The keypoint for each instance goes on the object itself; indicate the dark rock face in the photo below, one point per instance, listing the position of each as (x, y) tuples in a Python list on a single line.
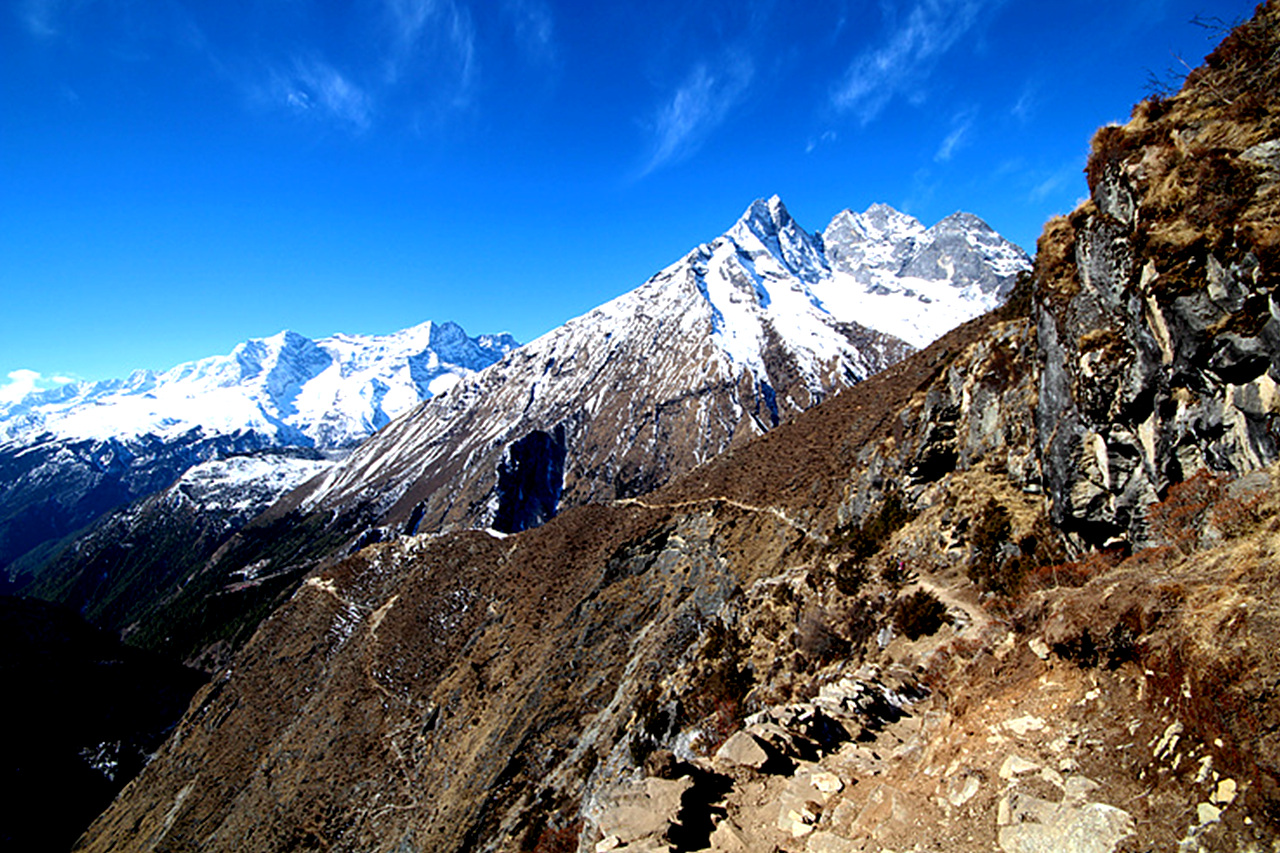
[(81, 715), (1160, 344), (530, 479)]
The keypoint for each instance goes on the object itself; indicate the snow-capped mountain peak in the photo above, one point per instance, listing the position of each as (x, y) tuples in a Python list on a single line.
[(879, 239), (766, 229), (288, 388), (963, 234), (913, 282)]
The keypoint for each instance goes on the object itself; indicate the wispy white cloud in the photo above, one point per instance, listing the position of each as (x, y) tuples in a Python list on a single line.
[(961, 124), (924, 186), (41, 17), (436, 34), (406, 59), (899, 66), (314, 87), (534, 26), (1024, 108), (23, 382), (827, 136), (699, 104)]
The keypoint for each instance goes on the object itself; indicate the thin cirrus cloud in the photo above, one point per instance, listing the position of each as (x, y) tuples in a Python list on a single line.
[(314, 87), (961, 126), (898, 66), (426, 38), (1025, 107), (40, 17), (1054, 183), (534, 28), (699, 104), (417, 53), (431, 42)]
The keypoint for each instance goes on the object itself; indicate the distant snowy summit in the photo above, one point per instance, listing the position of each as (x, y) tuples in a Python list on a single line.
[(887, 271), (288, 389)]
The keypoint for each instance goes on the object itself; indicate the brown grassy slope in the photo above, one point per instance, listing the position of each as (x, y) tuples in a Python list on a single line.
[(804, 465), (355, 679), (1201, 625)]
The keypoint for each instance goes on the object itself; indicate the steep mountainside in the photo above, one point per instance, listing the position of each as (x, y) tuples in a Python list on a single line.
[(69, 455), (737, 336), (881, 626), (718, 347)]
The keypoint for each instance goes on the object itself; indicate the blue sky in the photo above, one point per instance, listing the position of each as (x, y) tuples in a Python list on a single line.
[(177, 176)]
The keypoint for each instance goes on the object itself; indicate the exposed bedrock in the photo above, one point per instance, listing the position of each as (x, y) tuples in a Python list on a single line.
[(530, 479), (1155, 365)]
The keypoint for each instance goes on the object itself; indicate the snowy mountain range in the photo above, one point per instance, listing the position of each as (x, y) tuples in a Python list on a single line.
[(740, 334), (737, 336), (292, 390), (71, 454)]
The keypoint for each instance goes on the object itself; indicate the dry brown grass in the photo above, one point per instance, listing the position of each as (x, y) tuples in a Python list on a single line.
[(1055, 264)]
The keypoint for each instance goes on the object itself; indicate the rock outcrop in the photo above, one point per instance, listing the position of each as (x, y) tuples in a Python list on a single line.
[(1159, 332)]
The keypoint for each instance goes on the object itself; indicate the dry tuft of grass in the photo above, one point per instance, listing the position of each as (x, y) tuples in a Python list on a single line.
[(1055, 264)]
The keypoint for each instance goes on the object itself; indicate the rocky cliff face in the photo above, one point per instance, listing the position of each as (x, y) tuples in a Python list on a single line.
[(764, 655), (1159, 331), (883, 625)]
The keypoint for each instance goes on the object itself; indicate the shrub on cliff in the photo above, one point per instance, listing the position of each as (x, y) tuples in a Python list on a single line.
[(920, 614)]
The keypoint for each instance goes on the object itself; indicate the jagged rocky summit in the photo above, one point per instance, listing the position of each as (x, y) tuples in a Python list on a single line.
[(737, 336), (1016, 592)]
